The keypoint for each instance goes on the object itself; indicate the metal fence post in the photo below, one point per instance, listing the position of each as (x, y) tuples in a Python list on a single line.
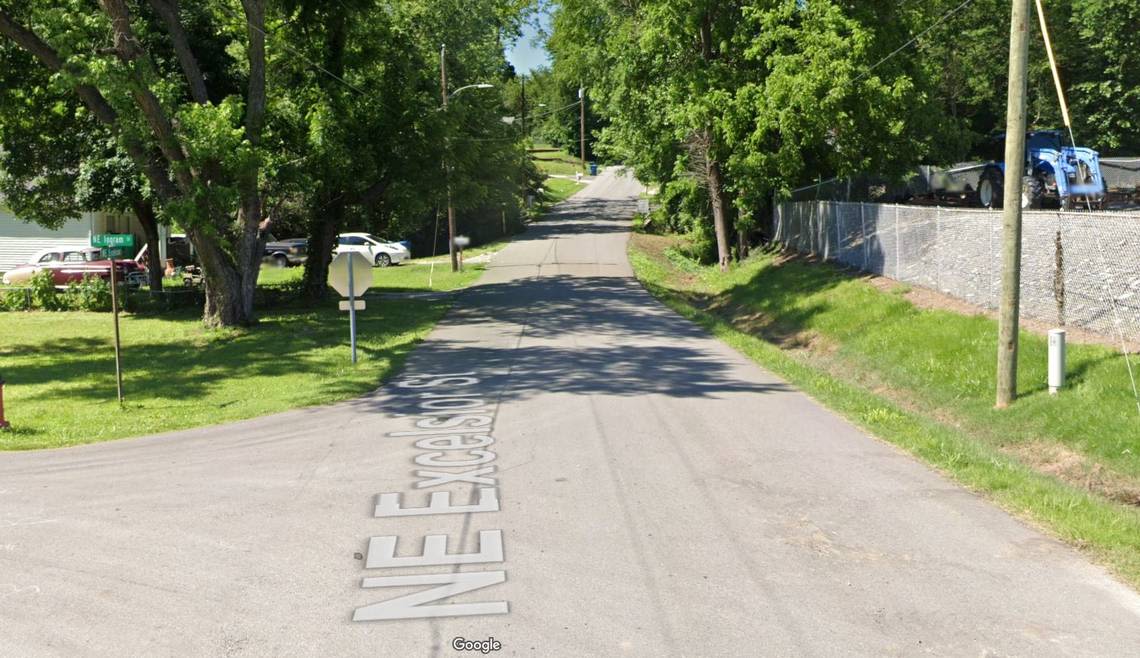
[(863, 234), (898, 247), (938, 248), (838, 238)]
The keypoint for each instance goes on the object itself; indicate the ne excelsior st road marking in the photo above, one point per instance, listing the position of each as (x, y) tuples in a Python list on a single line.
[(452, 424)]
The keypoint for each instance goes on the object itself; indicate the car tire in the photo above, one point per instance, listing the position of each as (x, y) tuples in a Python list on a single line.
[(990, 189), (279, 260), (383, 260), (1032, 193)]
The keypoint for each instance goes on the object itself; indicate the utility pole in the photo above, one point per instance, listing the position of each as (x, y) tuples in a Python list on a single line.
[(582, 125), (1011, 208), (446, 164), (522, 83)]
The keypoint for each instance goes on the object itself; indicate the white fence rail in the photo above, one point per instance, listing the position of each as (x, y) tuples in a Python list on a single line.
[(1079, 267)]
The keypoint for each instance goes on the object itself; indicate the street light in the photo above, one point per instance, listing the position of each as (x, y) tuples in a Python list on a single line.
[(480, 85), (446, 166)]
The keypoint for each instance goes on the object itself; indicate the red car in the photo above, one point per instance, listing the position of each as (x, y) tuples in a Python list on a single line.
[(71, 265)]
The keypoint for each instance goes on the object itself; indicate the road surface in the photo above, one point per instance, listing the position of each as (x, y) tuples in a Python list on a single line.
[(628, 486)]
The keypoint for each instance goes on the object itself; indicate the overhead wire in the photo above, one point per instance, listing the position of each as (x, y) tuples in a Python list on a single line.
[(914, 39), (293, 50)]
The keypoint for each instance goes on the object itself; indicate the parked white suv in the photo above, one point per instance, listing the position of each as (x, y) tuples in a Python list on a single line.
[(382, 253)]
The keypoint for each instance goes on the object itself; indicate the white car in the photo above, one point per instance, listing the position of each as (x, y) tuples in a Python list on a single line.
[(381, 252)]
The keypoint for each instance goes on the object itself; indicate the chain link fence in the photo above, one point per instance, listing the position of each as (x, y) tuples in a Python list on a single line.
[(1078, 268)]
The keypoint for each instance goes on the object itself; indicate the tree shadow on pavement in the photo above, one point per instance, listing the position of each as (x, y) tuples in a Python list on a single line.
[(578, 335)]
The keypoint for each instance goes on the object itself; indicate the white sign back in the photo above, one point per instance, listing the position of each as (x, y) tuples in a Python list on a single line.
[(361, 272)]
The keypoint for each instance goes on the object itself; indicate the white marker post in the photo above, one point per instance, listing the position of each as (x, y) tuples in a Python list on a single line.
[(352, 313), (350, 274)]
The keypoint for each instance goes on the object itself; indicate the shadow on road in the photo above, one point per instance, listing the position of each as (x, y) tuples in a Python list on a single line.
[(580, 335)]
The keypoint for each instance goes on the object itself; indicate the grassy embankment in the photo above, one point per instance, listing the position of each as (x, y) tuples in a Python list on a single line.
[(923, 380), (557, 163), (178, 374)]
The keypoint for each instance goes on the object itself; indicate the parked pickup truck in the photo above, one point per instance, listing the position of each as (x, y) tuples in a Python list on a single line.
[(284, 253), (72, 265)]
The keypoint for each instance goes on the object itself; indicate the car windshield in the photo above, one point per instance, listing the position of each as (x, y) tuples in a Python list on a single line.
[(377, 240)]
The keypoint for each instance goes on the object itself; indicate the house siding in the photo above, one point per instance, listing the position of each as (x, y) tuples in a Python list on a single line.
[(20, 239)]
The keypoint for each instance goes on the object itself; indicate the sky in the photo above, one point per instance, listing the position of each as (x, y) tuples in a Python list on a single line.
[(525, 55)]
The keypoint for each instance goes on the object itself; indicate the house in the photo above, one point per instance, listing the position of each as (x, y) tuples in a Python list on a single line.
[(20, 239)]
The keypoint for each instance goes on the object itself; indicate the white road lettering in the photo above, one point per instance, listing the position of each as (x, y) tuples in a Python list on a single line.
[(452, 428), (439, 479), (382, 552), (453, 404), (452, 584), (388, 504), (453, 421), (432, 459), (456, 442)]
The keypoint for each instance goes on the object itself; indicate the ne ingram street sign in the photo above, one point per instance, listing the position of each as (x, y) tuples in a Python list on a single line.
[(113, 240)]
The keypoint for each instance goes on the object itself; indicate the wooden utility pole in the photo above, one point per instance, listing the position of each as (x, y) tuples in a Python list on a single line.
[(446, 164), (1011, 209), (582, 125), (522, 86)]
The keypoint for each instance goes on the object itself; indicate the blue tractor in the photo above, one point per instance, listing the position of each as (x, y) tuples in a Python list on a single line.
[(1056, 175)]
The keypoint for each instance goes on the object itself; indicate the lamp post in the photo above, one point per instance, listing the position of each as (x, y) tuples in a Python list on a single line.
[(446, 165)]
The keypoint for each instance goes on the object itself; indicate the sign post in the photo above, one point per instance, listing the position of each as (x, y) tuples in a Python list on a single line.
[(112, 243), (350, 274), (461, 241)]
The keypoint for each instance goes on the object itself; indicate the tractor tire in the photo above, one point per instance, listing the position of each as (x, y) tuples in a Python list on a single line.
[(990, 189), (383, 260), (1032, 193)]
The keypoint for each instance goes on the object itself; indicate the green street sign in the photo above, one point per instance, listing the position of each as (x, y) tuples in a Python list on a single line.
[(115, 240)]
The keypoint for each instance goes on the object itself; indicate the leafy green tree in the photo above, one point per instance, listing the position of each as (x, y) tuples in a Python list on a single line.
[(198, 139)]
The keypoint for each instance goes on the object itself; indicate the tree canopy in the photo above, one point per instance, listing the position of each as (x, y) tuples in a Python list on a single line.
[(727, 104), (228, 117)]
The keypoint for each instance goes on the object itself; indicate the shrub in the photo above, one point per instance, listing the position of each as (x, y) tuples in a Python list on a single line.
[(44, 294), (91, 294), (15, 299)]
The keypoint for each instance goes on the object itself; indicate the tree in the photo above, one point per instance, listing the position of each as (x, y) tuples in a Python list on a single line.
[(197, 139), (58, 161)]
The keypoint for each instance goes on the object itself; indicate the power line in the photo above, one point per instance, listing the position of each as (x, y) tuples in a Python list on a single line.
[(906, 45), (549, 112), (296, 52)]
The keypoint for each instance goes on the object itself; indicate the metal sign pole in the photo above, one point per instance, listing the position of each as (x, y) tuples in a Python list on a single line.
[(351, 308), (115, 316)]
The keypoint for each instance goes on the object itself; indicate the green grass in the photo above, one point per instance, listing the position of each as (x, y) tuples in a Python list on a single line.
[(178, 374), (923, 379), (557, 162), (559, 189), (410, 276)]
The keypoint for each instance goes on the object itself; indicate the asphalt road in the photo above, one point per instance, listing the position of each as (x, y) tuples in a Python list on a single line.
[(632, 487)]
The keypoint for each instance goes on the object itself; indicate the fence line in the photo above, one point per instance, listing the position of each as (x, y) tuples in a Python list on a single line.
[(1079, 268)]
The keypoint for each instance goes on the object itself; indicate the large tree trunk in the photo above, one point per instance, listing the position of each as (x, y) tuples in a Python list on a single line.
[(229, 292), (323, 229), (712, 164), (720, 221), (144, 210)]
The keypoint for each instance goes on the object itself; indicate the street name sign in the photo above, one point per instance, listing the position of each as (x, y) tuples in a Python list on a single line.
[(113, 240)]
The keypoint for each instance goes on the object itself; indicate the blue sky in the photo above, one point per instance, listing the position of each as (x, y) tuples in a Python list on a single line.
[(526, 55)]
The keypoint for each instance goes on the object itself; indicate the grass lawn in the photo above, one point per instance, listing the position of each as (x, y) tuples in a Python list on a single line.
[(405, 277), (923, 379), (559, 189), (556, 162), (60, 368)]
